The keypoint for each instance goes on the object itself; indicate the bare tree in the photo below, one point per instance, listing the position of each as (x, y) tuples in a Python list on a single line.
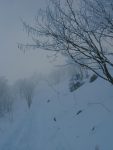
[(6, 99), (83, 33), (26, 89)]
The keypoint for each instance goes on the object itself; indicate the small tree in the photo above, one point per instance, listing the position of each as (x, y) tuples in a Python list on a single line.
[(26, 89), (83, 33)]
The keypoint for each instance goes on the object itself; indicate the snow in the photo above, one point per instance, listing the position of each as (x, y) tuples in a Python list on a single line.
[(62, 120)]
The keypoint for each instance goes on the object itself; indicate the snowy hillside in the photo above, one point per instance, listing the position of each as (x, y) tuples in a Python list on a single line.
[(62, 120)]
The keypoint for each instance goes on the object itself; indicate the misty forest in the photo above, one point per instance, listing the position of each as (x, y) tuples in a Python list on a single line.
[(56, 81)]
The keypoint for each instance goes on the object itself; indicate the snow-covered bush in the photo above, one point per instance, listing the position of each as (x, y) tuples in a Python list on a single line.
[(75, 86), (77, 80)]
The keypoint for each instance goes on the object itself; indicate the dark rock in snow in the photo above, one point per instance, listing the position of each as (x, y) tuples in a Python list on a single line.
[(54, 119), (48, 100), (80, 111), (93, 78), (93, 128)]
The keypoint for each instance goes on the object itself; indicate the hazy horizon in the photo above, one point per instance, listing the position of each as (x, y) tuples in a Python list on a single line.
[(15, 64)]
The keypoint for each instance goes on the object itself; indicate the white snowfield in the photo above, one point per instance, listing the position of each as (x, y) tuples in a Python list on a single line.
[(61, 120)]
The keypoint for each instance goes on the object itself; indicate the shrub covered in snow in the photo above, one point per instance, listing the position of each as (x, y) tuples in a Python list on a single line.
[(75, 82)]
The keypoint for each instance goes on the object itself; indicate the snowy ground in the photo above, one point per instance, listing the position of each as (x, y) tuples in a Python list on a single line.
[(60, 120)]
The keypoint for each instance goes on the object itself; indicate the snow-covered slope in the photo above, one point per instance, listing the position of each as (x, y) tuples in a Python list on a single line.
[(60, 120)]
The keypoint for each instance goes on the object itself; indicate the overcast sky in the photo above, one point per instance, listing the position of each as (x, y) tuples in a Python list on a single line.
[(15, 64)]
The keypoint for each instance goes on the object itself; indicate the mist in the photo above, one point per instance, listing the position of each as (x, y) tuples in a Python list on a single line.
[(14, 63)]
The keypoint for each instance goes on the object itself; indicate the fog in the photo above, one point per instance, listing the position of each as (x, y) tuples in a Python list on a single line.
[(14, 63)]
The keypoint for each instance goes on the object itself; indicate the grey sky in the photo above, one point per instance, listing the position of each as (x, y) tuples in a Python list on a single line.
[(15, 64)]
